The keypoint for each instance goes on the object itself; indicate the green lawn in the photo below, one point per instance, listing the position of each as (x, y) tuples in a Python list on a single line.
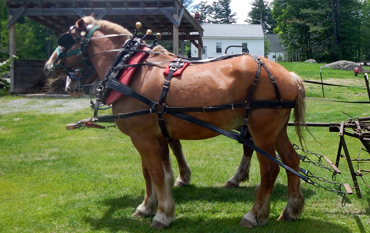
[(54, 180)]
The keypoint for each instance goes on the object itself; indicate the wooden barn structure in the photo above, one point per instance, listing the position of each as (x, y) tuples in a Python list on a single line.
[(168, 17)]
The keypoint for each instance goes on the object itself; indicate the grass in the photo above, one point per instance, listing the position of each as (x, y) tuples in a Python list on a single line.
[(53, 180)]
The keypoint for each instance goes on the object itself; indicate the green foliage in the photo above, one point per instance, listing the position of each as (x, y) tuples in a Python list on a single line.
[(219, 12), (5, 68), (267, 46), (4, 38), (33, 40), (323, 30), (5, 65), (261, 11)]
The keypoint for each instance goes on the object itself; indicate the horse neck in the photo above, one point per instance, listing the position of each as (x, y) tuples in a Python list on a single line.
[(104, 60)]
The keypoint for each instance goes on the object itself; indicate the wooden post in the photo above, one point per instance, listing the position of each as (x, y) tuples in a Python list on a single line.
[(12, 52), (200, 51), (175, 36)]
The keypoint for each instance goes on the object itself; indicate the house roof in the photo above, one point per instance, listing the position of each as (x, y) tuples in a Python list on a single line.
[(232, 31), (275, 45)]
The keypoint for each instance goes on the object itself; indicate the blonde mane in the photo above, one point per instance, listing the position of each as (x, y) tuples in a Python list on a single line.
[(107, 26), (161, 49), (110, 27)]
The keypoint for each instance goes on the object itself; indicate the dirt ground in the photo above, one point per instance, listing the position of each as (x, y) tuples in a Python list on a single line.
[(44, 103)]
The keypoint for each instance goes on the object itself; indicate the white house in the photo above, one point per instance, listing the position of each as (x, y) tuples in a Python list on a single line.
[(219, 39)]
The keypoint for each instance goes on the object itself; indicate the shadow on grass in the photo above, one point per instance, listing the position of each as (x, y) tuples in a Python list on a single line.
[(114, 220)]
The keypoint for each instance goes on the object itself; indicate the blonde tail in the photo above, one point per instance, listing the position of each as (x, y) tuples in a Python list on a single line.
[(300, 107)]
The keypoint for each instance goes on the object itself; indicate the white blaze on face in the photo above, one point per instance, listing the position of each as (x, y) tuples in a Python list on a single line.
[(68, 83), (71, 88)]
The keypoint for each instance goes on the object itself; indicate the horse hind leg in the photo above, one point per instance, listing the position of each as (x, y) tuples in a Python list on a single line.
[(289, 156), (184, 169), (264, 126), (242, 173), (260, 212)]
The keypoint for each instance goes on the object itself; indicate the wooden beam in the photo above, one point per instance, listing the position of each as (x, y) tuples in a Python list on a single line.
[(103, 13), (12, 52), (175, 37), (87, 11), (15, 17), (194, 42), (174, 20), (200, 51), (79, 12), (149, 24)]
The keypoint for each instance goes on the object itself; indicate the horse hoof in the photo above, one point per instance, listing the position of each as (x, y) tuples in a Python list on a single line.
[(246, 223), (231, 185), (179, 183), (158, 225), (140, 214), (257, 187), (284, 217)]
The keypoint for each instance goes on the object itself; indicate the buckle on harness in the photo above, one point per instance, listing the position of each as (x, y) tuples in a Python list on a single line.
[(176, 64)]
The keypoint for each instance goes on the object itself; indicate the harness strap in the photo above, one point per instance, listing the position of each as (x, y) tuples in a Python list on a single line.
[(235, 136), (126, 90), (174, 65), (244, 129), (277, 103), (260, 62), (111, 118)]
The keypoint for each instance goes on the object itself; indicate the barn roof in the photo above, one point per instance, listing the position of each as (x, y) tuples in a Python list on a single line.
[(158, 15)]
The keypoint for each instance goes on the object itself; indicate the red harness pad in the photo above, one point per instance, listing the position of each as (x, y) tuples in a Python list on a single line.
[(178, 72), (126, 75)]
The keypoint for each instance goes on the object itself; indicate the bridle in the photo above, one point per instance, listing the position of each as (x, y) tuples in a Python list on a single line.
[(66, 41)]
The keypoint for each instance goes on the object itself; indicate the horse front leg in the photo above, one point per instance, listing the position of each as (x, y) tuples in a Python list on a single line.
[(184, 169), (150, 203), (289, 156), (242, 173), (159, 180)]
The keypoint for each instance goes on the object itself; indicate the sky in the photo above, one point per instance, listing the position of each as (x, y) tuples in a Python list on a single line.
[(241, 7)]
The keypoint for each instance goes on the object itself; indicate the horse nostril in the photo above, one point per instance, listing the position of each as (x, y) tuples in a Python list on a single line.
[(68, 89)]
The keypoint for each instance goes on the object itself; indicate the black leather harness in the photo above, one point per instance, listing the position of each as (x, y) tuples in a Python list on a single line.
[(160, 108)]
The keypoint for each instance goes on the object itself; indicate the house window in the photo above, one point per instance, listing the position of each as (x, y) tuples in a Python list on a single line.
[(245, 48), (218, 47)]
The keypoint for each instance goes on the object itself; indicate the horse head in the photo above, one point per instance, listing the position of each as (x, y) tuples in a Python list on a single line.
[(81, 81), (71, 54)]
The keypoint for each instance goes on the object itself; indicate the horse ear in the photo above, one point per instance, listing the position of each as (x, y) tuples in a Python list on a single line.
[(80, 24), (92, 15)]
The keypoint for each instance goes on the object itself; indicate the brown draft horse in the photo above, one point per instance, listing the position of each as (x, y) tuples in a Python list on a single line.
[(222, 82), (86, 76)]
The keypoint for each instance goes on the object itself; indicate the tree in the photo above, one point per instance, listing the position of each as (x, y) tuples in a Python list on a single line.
[(4, 32), (218, 12), (261, 14), (204, 11), (318, 29), (33, 41), (188, 4)]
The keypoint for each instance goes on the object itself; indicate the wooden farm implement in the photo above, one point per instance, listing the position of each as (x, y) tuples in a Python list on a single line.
[(357, 128)]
